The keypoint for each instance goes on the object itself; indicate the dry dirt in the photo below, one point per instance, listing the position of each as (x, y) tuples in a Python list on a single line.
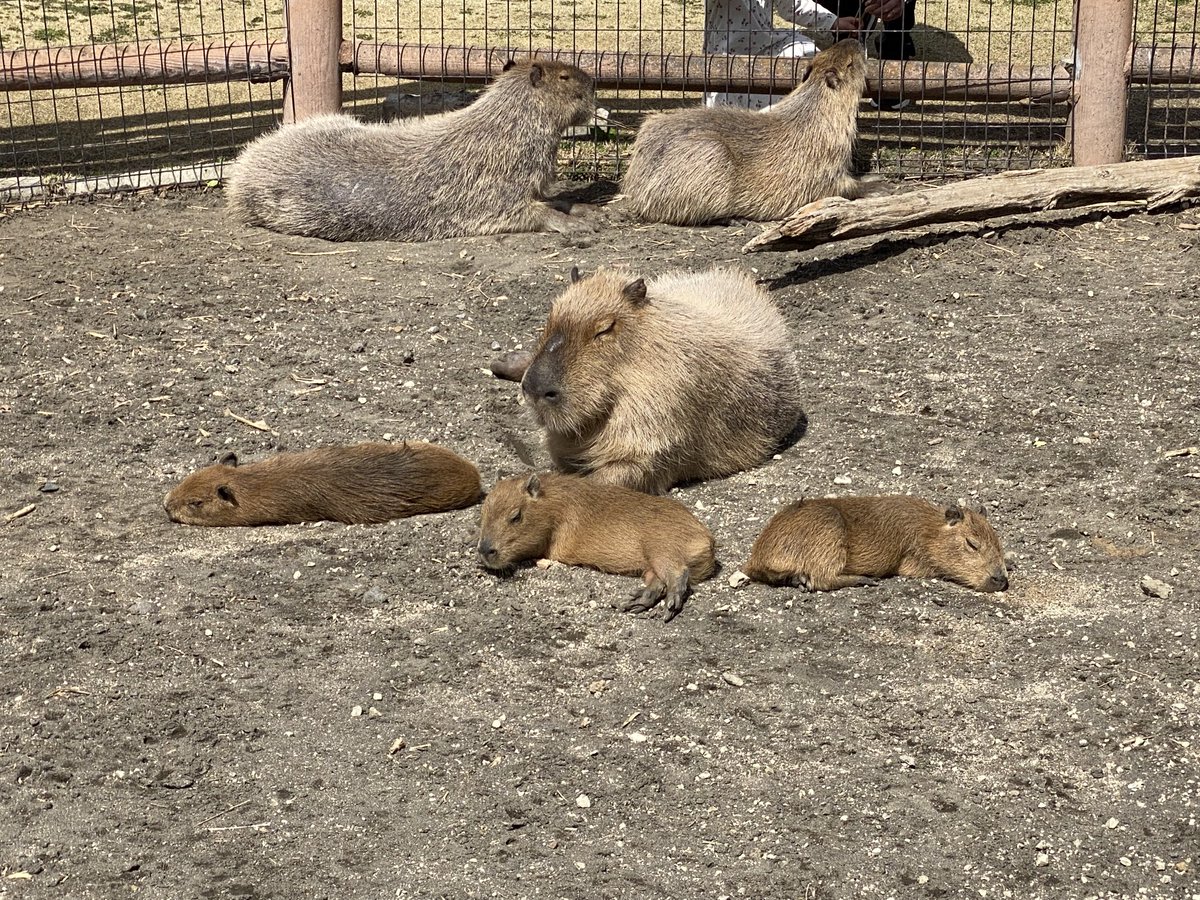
[(361, 712)]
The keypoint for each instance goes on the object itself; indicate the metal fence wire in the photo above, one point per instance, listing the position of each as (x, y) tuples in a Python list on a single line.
[(77, 138)]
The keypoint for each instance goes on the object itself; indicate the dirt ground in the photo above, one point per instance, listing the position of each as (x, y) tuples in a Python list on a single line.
[(333, 711)]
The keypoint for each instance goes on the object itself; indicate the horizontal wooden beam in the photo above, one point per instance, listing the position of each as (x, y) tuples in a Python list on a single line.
[(156, 62), (915, 79), (173, 62)]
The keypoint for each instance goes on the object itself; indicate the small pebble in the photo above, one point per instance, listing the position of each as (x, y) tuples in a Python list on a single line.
[(1112, 823), (1126, 861), (737, 579), (377, 696), (355, 712), (583, 801), (49, 487), (732, 678), (637, 737), (358, 346), (841, 479), (1043, 859), (1155, 588)]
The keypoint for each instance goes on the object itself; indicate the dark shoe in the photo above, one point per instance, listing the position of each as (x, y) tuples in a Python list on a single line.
[(892, 105)]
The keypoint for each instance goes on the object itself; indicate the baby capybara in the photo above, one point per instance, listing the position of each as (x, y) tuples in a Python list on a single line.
[(582, 523), (646, 385), (828, 544), (694, 166), (485, 169), (359, 484)]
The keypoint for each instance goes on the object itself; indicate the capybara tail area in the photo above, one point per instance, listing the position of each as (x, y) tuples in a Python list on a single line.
[(765, 574), (702, 563)]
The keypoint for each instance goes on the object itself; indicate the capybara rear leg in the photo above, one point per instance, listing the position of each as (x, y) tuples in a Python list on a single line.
[(676, 595), (648, 597), (831, 583)]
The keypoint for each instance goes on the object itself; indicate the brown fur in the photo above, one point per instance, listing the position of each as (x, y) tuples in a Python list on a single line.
[(826, 544), (691, 376), (582, 523), (360, 484), (481, 170), (695, 166)]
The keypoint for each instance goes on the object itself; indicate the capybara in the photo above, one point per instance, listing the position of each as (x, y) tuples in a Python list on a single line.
[(696, 166), (481, 170), (691, 376), (359, 484), (828, 544), (582, 523)]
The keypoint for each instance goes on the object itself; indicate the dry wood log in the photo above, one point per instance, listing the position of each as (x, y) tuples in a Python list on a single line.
[(1150, 185)]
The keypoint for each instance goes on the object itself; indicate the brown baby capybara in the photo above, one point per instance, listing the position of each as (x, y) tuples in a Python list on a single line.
[(828, 544), (484, 169), (646, 385), (582, 523), (696, 166), (359, 484)]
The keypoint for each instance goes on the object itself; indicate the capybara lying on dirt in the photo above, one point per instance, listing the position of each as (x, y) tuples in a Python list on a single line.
[(827, 544), (647, 385), (359, 484), (481, 170), (695, 166), (582, 523)]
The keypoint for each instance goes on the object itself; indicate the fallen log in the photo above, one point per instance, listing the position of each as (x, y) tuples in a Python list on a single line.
[(1150, 185)]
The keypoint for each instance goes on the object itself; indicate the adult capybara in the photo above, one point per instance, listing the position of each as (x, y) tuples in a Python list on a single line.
[(481, 170), (359, 484), (647, 385), (695, 166), (828, 544), (582, 523)]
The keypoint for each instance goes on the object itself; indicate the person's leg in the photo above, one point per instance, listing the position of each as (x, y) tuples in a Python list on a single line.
[(896, 40), (791, 44)]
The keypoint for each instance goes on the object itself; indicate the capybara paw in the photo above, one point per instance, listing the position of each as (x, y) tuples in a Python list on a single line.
[(676, 596), (567, 224), (645, 599), (801, 581)]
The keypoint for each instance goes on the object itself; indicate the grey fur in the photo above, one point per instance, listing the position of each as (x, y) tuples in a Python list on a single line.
[(481, 170), (695, 166)]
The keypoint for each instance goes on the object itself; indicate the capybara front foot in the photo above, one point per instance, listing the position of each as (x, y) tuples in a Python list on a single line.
[(554, 220)]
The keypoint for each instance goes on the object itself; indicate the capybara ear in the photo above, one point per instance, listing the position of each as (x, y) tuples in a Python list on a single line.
[(229, 459), (574, 274), (983, 510), (832, 79), (533, 487), (807, 71), (535, 74), (508, 65), (635, 292), (954, 515), (225, 492)]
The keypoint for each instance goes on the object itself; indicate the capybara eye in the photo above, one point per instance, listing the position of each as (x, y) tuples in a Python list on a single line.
[(515, 517), (607, 329), (195, 504), (972, 544)]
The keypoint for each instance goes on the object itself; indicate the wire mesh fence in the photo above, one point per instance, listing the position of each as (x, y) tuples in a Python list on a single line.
[(87, 138)]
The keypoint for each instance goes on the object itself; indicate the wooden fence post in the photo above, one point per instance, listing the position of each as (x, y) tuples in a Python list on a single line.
[(1103, 56), (314, 30)]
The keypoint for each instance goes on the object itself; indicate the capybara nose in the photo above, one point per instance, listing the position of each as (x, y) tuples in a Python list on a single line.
[(486, 550), (998, 582), (539, 384)]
